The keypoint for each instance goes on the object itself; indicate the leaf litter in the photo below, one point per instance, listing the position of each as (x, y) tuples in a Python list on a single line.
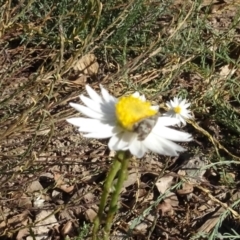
[(52, 192)]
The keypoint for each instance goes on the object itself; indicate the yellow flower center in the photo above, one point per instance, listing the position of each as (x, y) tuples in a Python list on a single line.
[(130, 110), (177, 109)]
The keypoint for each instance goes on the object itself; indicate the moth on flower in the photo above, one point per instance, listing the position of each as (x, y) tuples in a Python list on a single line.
[(144, 127), (130, 122)]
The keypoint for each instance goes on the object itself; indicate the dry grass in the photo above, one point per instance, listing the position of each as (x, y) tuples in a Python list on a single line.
[(162, 49)]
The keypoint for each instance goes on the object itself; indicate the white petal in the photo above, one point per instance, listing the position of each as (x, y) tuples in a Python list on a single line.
[(102, 133), (114, 140), (162, 146), (87, 111), (126, 139), (91, 125), (107, 109), (187, 105), (182, 103), (172, 134), (182, 120), (137, 148), (95, 106), (98, 135), (156, 108), (143, 98), (136, 95), (170, 114), (106, 96), (176, 101), (93, 95), (169, 105), (166, 121), (188, 115), (156, 146), (78, 121)]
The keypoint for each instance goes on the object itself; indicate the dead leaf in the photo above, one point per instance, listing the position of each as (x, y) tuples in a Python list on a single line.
[(43, 132), (186, 189), (172, 199), (165, 207), (87, 65), (202, 208), (45, 221), (23, 200), (142, 227), (66, 188), (132, 178), (34, 186), (77, 212), (90, 214), (67, 214), (81, 80), (89, 197), (209, 2), (56, 194), (141, 192), (23, 232), (209, 224), (193, 169), (60, 183), (226, 71), (164, 183), (14, 222), (67, 228), (147, 198), (58, 178)]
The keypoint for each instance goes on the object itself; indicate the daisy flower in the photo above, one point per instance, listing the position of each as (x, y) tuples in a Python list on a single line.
[(130, 122), (178, 108)]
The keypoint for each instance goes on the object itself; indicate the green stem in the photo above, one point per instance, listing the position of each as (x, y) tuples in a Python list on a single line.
[(124, 157), (106, 189)]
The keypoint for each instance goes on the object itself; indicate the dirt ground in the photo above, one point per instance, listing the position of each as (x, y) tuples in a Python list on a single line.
[(52, 178)]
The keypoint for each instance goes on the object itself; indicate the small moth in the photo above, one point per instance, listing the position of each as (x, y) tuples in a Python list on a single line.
[(144, 127)]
